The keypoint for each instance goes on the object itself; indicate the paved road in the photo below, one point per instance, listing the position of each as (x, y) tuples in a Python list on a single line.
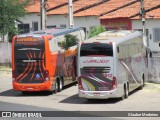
[(68, 100), (5, 106), (18, 108)]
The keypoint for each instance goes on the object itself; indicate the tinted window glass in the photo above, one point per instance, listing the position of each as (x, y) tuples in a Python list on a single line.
[(90, 49), (29, 52), (21, 65)]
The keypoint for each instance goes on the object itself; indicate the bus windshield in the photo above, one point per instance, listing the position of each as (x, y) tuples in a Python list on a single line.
[(91, 49), (29, 59)]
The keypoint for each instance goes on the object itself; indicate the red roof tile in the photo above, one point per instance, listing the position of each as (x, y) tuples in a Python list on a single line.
[(154, 14), (131, 10), (54, 3), (35, 8), (76, 6), (105, 7), (128, 11), (124, 12)]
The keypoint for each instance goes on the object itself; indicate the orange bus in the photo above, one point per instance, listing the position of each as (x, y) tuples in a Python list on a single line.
[(42, 62)]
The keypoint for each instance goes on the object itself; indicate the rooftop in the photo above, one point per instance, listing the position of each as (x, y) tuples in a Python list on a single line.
[(100, 8)]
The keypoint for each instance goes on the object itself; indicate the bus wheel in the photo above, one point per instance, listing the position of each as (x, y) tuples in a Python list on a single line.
[(56, 87), (123, 95), (142, 83), (126, 91), (60, 85)]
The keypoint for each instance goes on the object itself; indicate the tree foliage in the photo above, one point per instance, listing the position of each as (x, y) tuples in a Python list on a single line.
[(70, 40), (11, 11), (96, 30)]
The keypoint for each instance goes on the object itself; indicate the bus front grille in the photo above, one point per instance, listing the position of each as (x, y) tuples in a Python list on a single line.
[(96, 69)]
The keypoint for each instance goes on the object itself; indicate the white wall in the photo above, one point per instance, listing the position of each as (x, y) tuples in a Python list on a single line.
[(5, 52), (150, 24), (57, 20), (29, 18), (87, 22), (5, 38), (78, 21)]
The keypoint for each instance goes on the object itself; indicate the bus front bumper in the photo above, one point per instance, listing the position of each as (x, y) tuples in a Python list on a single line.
[(32, 87), (99, 94)]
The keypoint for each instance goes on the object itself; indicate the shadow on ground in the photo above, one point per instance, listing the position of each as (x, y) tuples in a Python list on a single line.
[(12, 93), (75, 99)]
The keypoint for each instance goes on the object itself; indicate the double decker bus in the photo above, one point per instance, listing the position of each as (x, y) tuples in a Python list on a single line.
[(111, 64), (40, 62)]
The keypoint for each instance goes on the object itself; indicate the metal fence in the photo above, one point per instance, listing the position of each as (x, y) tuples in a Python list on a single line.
[(5, 53)]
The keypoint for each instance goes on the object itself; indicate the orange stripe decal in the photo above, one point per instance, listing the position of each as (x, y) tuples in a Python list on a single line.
[(28, 65), (24, 70), (34, 67)]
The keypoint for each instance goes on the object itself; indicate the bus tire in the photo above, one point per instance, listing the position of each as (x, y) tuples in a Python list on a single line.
[(142, 83), (55, 87), (123, 95), (60, 85), (126, 91)]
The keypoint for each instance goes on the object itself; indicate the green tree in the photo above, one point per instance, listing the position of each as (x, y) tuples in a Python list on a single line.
[(70, 40), (11, 11), (96, 30)]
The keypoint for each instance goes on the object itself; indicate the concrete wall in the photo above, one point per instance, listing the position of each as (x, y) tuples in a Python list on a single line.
[(28, 19), (150, 24), (5, 52), (5, 38), (59, 20), (87, 22)]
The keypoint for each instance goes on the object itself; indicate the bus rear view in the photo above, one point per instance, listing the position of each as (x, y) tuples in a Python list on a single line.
[(28, 58), (95, 70)]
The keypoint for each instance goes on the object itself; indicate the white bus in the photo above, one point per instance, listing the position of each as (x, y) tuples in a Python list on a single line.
[(111, 65)]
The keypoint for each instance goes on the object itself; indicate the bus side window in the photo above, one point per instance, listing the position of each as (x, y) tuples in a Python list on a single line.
[(121, 52), (51, 45), (60, 42), (131, 48), (83, 33)]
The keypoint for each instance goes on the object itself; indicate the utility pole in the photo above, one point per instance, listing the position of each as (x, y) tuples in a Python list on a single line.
[(145, 40), (43, 14), (142, 12), (70, 12)]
